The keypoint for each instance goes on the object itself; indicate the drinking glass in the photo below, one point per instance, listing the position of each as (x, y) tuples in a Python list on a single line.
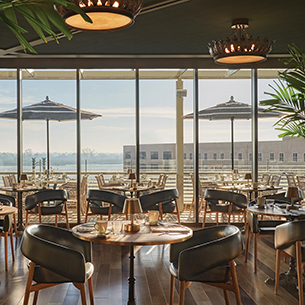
[(117, 227), (140, 219)]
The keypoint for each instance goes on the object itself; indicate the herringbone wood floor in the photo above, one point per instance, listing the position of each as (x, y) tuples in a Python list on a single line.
[(152, 284)]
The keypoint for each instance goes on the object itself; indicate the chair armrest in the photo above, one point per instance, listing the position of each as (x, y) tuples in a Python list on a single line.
[(54, 257), (199, 259)]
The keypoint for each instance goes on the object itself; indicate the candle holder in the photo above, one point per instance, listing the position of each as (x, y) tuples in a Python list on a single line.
[(132, 206)]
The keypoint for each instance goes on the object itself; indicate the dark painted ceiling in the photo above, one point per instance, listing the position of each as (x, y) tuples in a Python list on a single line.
[(184, 29)]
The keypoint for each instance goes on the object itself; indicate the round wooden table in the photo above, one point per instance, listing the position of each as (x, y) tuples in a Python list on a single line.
[(7, 210), (168, 233), (280, 211)]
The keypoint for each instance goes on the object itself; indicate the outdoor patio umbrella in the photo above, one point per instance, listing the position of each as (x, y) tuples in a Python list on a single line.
[(48, 111), (231, 110)]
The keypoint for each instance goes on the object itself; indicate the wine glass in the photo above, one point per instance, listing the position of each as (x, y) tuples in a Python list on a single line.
[(117, 227)]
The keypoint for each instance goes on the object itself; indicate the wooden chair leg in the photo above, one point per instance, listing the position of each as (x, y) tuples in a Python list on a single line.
[(171, 293), (277, 271), (247, 244), (229, 213), (29, 284), (83, 293), (5, 248), (55, 220), (181, 292), (160, 211), (91, 291), (235, 282), (255, 253), (299, 271), (225, 293), (15, 224), (39, 212), (67, 218), (12, 243), (35, 297), (217, 219), (205, 213), (26, 218)]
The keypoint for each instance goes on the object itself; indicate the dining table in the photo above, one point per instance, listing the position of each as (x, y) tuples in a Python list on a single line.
[(163, 233), (127, 189), (274, 208), (19, 190), (249, 188)]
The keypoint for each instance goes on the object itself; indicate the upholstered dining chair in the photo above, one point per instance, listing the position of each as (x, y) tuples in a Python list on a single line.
[(6, 231), (258, 228), (96, 200), (100, 180), (164, 201), (9, 201), (288, 242), (47, 202), (207, 257), (56, 256), (265, 178), (224, 202)]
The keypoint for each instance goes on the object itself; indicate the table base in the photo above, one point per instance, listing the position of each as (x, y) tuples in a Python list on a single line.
[(131, 279), (290, 276)]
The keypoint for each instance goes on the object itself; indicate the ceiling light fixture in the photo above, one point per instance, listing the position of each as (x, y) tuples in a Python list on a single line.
[(240, 48), (106, 15)]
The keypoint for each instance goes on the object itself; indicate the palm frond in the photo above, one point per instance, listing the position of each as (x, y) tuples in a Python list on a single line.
[(39, 14)]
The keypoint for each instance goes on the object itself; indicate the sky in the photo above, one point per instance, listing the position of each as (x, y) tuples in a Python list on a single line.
[(115, 101)]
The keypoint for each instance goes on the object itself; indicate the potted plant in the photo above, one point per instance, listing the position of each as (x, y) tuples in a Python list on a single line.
[(289, 95), (40, 15)]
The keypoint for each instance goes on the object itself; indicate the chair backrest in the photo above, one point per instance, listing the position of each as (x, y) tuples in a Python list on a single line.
[(152, 199), (290, 180), (6, 181), (289, 233), (57, 250), (276, 179), (12, 179), (160, 179), (211, 247), (239, 200), (163, 182), (60, 196), (265, 178), (301, 182), (7, 200), (100, 180), (100, 196)]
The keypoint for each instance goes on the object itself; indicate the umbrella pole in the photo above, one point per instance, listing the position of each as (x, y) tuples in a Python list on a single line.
[(232, 142), (48, 149)]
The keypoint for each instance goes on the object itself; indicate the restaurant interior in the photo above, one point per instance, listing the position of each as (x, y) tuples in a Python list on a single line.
[(143, 236)]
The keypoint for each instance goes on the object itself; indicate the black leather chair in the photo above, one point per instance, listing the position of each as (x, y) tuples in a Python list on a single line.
[(207, 257), (258, 228), (287, 242), (56, 256), (47, 202), (224, 202), (9, 201), (6, 231), (96, 200), (164, 201)]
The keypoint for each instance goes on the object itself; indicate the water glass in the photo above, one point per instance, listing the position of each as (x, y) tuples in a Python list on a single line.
[(117, 227), (140, 219)]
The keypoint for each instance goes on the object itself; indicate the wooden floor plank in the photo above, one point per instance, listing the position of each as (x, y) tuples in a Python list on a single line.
[(110, 280)]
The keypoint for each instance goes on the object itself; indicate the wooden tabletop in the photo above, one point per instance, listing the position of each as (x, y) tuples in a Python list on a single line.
[(250, 188), (142, 238), (6, 210), (128, 189), (278, 211), (20, 189)]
